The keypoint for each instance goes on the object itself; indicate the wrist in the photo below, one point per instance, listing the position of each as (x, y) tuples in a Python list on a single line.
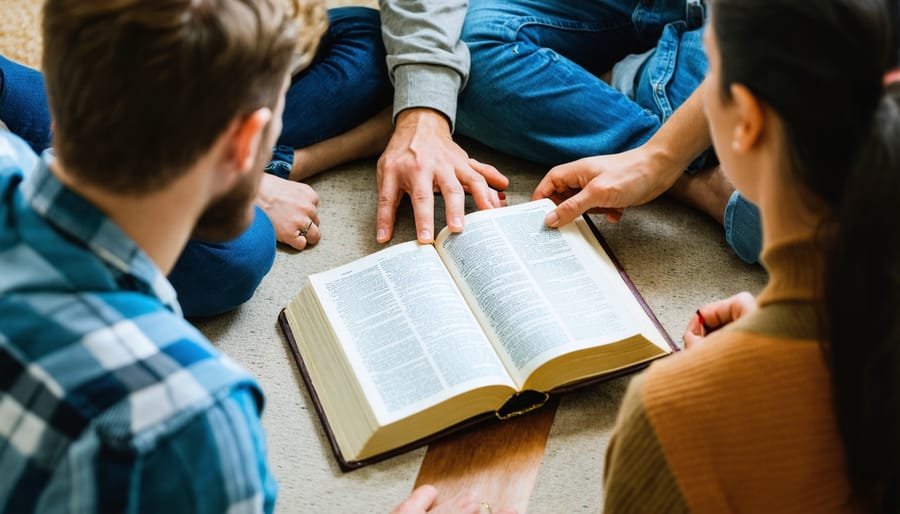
[(665, 162), (422, 117), (267, 185)]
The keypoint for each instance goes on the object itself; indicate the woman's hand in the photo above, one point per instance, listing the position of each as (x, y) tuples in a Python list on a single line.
[(606, 184), (716, 315)]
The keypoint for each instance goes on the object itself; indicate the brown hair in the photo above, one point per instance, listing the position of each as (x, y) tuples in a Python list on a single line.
[(140, 89)]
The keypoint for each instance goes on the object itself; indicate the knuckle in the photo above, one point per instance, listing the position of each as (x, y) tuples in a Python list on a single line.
[(453, 189), (385, 199), (421, 195), (476, 179)]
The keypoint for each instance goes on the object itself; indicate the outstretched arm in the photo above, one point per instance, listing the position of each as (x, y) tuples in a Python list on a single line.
[(428, 65), (610, 183)]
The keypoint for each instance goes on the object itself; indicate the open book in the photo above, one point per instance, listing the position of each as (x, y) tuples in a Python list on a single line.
[(413, 340)]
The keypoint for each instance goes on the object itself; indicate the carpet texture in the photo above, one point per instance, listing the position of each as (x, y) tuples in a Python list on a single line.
[(677, 258)]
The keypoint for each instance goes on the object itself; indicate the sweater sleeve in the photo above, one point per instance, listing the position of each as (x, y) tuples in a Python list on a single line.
[(637, 477), (426, 60)]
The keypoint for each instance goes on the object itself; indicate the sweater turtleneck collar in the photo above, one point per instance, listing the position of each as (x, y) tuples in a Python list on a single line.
[(796, 271)]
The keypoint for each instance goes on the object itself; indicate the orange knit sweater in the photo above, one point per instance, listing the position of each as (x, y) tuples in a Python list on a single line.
[(744, 422)]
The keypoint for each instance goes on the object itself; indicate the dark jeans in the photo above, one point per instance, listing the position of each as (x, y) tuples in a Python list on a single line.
[(345, 85)]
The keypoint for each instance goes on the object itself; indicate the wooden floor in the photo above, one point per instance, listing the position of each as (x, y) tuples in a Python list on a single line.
[(498, 462)]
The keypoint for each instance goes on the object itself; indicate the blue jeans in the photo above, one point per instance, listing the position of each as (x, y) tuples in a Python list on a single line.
[(212, 278), (534, 90), (23, 104), (346, 84)]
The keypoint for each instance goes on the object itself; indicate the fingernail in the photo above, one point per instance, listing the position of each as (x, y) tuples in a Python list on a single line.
[(501, 195), (456, 222), (425, 235), (552, 219), (382, 233)]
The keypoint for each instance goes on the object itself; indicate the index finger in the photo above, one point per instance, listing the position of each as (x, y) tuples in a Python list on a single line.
[(573, 207), (571, 175)]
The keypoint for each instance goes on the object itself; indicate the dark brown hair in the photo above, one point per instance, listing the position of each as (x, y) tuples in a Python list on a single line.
[(140, 89), (820, 65)]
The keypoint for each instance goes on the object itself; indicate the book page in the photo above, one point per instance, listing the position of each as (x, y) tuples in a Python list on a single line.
[(406, 330), (539, 292)]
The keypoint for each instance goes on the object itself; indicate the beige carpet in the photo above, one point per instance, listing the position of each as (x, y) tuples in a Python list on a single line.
[(676, 257)]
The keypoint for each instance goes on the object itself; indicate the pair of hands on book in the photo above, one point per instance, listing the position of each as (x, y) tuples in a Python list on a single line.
[(716, 315), (422, 499)]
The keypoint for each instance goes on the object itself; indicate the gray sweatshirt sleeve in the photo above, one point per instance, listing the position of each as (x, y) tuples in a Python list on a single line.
[(426, 60)]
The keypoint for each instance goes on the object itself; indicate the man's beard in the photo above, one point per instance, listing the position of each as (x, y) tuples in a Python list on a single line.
[(228, 216)]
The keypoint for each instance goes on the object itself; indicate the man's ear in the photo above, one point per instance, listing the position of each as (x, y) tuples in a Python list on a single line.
[(247, 136), (750, 119)]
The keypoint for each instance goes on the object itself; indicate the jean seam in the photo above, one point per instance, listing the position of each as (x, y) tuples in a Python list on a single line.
[(668, 54), (516, 24)]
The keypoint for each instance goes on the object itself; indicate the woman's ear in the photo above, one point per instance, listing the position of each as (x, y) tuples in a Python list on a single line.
[(247, 138), (750, 121)]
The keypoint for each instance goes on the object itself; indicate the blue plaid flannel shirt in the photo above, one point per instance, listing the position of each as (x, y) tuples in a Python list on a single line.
[(109, 400)]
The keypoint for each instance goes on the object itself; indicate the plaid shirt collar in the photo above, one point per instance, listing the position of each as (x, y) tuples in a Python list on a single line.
[(80, 220)]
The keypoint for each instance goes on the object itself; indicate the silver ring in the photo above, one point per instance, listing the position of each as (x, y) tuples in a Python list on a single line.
[(304, 231)]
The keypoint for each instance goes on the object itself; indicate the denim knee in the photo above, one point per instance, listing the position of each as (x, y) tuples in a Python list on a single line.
[(23, 104), (528, 90), (346, 84), (743, 230), (212, 278)]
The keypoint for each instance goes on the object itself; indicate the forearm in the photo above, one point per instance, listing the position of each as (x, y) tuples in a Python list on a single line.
[(427, 62), (681, 139)]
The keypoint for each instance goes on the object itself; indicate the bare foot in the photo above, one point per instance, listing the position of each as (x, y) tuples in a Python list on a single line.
[(366, 140), (707, 191)]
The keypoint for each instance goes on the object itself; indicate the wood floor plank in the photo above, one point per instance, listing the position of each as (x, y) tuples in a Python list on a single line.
[(498, 462)]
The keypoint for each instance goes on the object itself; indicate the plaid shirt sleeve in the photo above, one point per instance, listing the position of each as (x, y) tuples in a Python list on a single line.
[(202, 451), (215, 464)]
